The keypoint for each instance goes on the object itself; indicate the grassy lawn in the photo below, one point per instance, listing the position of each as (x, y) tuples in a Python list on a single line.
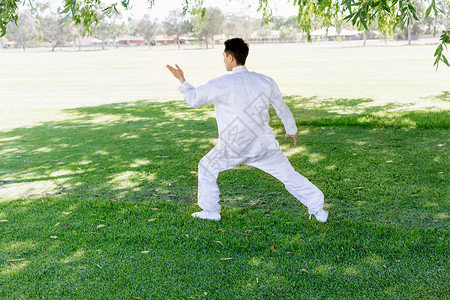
[(97, 205)]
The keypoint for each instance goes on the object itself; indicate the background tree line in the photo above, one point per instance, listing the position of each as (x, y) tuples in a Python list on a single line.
[(41, 25)]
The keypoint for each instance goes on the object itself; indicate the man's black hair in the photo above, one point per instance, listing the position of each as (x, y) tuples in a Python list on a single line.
[(238, 48)]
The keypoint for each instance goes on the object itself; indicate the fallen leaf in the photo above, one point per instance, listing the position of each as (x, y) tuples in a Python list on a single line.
[(53, 237), (384, 266), (205, 293), (99, 266), (153, 208), (358, 187), (152, 220), (138, 298), (272, 248), (304, 270), (14, 260), (145, 252), (66, 212), (248, 231), (352, 250), (57, 224), (101, 226), (441, 239), (193, 172), (3, 221), (226, 258), (389, 161), (355, 154), (397, 260), (219, 242)]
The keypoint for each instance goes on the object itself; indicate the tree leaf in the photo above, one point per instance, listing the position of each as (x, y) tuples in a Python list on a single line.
[(101, 226)]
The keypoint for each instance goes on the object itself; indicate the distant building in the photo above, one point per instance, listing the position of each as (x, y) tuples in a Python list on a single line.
[(11, 45), (128, 40), (332, 34)]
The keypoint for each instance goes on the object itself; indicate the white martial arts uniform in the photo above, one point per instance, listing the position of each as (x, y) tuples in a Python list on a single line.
[(241, 100)]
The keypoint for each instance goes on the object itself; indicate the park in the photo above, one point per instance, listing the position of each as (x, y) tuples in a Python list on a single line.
[(98, 177)]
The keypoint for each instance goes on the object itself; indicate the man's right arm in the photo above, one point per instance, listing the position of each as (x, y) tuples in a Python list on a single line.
[(283, 111)]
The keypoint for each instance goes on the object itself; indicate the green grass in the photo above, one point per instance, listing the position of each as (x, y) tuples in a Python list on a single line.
[(132, 167)]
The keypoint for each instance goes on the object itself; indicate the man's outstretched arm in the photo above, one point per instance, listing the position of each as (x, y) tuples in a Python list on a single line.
[(177, 72)]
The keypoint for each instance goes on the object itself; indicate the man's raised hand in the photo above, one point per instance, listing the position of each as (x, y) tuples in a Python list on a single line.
[(292, 137), (177, 72)]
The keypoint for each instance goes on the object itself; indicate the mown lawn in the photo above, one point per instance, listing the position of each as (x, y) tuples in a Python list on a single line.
[(98, 206)]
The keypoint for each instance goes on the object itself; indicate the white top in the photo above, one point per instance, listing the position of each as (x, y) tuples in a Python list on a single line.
[(241, 100)]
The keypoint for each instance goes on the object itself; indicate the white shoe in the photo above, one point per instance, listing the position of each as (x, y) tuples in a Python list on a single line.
[(215, 216), (321, 216)]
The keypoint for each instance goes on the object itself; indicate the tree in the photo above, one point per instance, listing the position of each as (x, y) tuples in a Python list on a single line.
[(209, 25), (56, 31), (242, 26), (287, 33), (2, 42), (359, 13), (147, 29), (176, 24), (24, 30)]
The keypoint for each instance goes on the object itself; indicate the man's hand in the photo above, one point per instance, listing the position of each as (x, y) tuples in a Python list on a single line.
[(177, 72), (292, 137)]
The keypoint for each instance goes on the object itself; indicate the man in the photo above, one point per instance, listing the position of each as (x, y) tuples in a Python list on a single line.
[(241, 100)]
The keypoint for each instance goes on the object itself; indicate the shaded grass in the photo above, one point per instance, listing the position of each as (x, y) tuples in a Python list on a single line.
[(385, 180)]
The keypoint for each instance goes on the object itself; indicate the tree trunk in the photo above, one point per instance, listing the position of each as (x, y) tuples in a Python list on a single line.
[(79, 43), (54, 46), (103, 45), (409, 34), (365, 38)]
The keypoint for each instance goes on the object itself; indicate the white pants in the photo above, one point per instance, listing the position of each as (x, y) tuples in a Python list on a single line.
[(275, 163)]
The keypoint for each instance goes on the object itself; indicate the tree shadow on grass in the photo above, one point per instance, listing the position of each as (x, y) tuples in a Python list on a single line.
[(368, 161), (444, 96), (131, 151)]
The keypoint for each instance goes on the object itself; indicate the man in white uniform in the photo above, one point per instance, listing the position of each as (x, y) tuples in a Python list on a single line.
[(241, 100)]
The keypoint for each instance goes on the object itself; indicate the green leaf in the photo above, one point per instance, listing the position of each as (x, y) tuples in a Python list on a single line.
[(66, 10), (428, 11), (444, 59), (438, 50)]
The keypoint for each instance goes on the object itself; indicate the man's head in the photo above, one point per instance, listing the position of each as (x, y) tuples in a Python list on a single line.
[(235, 53)]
